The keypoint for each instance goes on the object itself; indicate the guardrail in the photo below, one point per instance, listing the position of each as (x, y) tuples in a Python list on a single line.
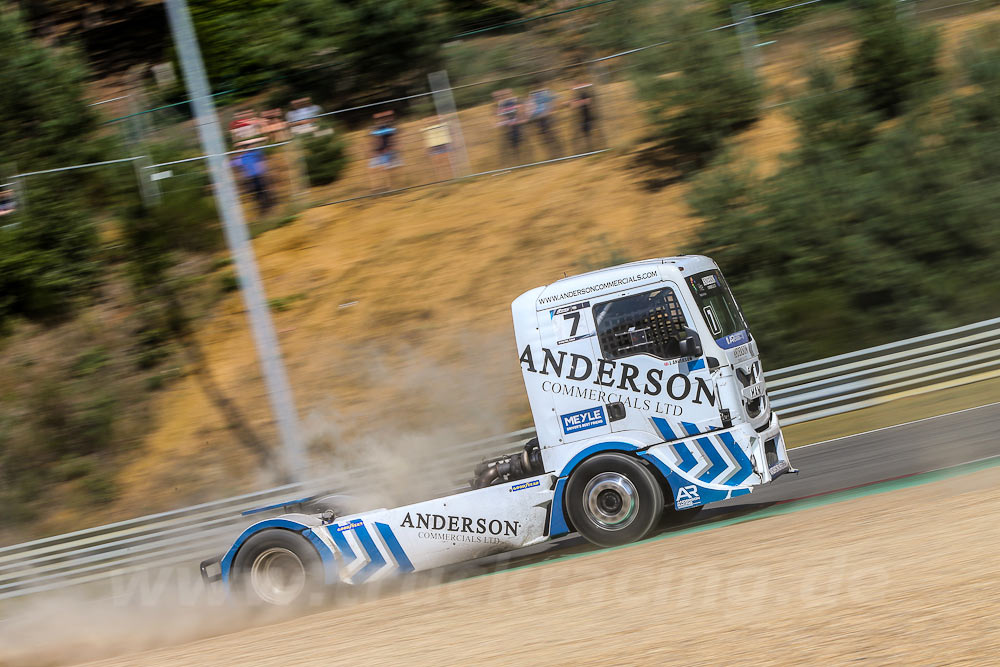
[(798, 393)]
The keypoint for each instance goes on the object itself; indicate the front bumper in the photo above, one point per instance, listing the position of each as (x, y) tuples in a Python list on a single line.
[(770, 453)]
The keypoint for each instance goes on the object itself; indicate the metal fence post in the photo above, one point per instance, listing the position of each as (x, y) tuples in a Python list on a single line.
[(747, 31), (444, 103), (149, 189), (238, 238)]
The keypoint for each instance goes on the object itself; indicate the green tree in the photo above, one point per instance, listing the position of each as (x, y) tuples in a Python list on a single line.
[(331, 50), (848, 246), (47, 246), (895, 63), (698, 89)]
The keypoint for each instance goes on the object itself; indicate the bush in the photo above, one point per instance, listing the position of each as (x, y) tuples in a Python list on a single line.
[(326, 158), (830, 115)]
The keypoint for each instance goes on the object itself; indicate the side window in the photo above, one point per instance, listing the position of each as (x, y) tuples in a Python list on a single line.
[(648, 323)]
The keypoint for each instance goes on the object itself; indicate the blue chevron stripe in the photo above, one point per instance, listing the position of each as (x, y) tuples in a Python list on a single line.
[(394, 547), (746, 468), (376, 559), (719, 464), (698, 364), (664, 428), (690, 428), (342, 544), (687, 458)]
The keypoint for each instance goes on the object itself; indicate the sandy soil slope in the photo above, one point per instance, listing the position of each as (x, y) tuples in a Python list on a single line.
[(906, 576)]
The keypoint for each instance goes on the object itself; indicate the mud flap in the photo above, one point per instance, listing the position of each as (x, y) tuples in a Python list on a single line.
[(206, 565)]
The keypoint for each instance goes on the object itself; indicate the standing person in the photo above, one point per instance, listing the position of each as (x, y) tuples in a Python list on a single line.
[(244, 126), (302, 117), (8, 201), (509, 121), (252, 165), (437, 139), (540, 106), (273, 126), (586, 108), (384, 153)]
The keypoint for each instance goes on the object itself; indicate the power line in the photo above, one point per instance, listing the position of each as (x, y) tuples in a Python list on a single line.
[(489, 172), (79, 166), (509, 24), (495, 79), (205, 157)]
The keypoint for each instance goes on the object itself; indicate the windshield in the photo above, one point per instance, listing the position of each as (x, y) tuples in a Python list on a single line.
[(715, 301)]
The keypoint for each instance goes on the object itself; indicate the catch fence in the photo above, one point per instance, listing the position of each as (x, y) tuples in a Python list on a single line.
[(183, 537)]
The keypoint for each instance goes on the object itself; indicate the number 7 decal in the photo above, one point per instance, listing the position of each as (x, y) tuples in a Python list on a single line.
[(575, 316)]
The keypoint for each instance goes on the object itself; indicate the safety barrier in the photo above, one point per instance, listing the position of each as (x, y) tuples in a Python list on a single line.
[(798, 393)]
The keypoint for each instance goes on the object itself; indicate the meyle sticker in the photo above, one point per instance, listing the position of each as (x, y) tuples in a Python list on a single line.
[(777, 467), (583, 420), (357, 523), (525, 485)]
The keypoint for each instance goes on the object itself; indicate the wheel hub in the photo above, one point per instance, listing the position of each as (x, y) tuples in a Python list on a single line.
[(611, 500), (278, 576)]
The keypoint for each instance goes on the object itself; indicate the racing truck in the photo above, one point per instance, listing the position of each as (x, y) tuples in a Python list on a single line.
[(647, 396)]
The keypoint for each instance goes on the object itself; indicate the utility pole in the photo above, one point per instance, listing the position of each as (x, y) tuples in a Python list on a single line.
[(238, 238)]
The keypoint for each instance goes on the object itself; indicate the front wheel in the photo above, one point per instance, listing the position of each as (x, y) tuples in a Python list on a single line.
[(278, 568), (612, 499)]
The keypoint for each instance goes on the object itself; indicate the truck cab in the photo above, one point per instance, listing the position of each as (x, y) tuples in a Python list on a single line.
[(656, 356)]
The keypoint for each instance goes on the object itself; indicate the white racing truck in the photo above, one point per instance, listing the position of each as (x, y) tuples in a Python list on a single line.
[(647, 396)]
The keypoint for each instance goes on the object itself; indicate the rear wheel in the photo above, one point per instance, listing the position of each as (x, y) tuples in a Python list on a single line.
[(278, 568), (613, 499)]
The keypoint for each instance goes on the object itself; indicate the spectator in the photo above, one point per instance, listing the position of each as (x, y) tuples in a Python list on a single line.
[(252, 166), (8, 201), (437, 138), (540, 105), (586, 108), (384, 153), (246, 125), (273, 126), (509, 121), (302, 117)]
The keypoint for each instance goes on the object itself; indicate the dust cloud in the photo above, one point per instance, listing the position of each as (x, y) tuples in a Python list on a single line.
[(404, 450), (411, 446)]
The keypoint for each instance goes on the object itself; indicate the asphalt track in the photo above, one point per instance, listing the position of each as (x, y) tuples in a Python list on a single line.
[(835, 465), (886, 454)]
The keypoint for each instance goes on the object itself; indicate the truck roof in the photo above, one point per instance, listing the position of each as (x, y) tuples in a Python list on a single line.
[(614, 279)]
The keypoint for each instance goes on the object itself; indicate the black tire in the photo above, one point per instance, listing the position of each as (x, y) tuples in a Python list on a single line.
[(278, 568), (613, 499)]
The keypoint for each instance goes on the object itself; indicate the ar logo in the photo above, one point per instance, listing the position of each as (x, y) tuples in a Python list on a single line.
[(687, 496)]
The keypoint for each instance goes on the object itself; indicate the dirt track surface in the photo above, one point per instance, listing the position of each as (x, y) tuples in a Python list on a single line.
[(905, 576)]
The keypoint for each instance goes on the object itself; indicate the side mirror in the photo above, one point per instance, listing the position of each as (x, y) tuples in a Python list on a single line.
[(690, 344)]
